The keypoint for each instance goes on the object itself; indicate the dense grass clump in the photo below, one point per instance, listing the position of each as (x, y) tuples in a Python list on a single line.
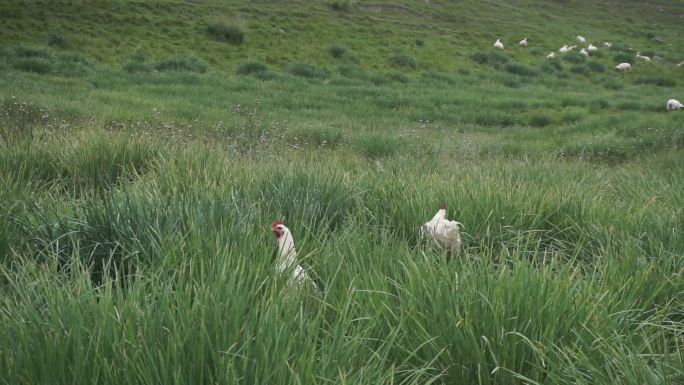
[(340, 5), (377, 145), (182, 64), (596, 67), (495, 59), (226, 32), (338, 51), (46, 62), (308, 71), (253, 68), (660, 81), (56, 39), (574, 57), (520, 69), (623, 57), (402, 59)]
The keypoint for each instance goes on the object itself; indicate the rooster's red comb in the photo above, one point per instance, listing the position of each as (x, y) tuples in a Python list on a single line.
[(278, 222)]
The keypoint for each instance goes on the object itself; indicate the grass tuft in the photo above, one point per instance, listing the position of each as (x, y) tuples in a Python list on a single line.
[(254, 68), (308, 71), (403, 59), (226, 32), (181, 64)]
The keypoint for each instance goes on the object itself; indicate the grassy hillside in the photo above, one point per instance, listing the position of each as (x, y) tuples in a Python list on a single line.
[(279, 33), (146, 147)]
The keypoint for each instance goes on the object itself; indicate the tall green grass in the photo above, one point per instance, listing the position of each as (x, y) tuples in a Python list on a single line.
[(143, 160), (161, 269)]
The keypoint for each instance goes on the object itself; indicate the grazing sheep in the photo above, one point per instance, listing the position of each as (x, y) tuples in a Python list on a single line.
[(584, 52), (607, 44), (551, 55), (624, 67), (523, 42), (581, 39), (498, 44), (673, 104), (644, 58), (592, 48)]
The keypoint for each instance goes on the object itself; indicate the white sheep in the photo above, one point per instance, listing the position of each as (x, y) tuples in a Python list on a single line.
[(581, 39), (523, 42), (498, 44), (551, 55), (644, 58), (673, 104), (584, 52), (607, 44), (624, 67), (592, 48)]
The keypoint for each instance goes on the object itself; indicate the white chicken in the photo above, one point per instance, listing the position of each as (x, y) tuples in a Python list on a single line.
[(287, 257), (592, 48), (642, 57), (674, 104), (443, 232), (498, 44), (581, 39), (523, 42)]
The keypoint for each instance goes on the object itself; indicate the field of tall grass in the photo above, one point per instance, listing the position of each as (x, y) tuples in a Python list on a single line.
[(138, 185)]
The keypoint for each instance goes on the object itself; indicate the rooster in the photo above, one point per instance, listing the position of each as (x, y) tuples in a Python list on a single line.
[(443, 232), (287, 257)]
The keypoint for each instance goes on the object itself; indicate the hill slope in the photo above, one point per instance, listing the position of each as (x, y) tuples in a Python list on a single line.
[(281, 32)]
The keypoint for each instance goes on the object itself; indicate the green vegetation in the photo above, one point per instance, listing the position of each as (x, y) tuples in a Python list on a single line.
[(229, 33), (143, 159)]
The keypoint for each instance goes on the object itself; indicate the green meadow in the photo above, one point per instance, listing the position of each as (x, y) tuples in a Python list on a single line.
[(147, 146)]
